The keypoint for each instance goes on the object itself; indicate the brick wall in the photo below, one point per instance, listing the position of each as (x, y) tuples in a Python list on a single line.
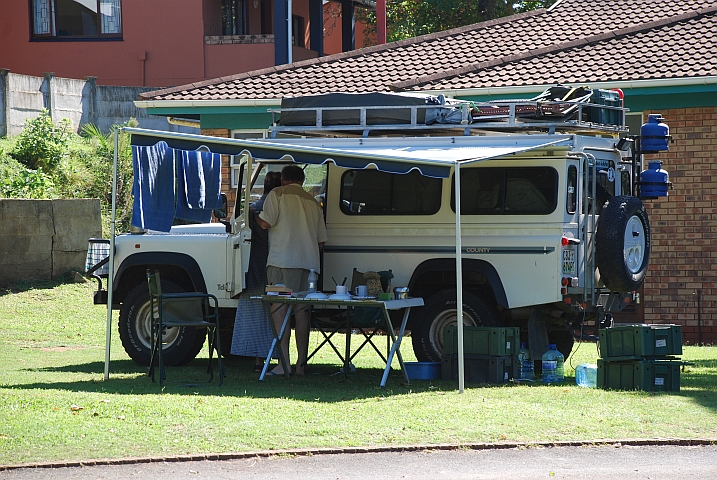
[(684, 255), (226, 170)]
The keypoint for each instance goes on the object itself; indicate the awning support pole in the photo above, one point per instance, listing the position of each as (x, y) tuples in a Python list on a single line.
[(110, 278), (459, 277)]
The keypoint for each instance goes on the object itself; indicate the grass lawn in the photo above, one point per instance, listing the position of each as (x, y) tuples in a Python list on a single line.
[(55, 405)]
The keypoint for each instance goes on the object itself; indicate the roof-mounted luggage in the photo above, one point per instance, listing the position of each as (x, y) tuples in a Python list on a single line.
[(559, 108)]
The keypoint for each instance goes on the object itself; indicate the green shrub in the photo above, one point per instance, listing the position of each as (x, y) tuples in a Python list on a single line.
[(42, 143), (27, 183)]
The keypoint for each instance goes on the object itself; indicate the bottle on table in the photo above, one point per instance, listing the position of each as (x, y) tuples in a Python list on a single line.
[(313, 280), (553, 365), (525, 364)]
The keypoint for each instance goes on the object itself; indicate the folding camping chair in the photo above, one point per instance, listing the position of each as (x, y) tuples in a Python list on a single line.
[(182, 310), (368, 320)]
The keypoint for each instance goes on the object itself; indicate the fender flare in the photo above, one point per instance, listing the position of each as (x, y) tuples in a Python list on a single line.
[(469, 264), (157, 259)]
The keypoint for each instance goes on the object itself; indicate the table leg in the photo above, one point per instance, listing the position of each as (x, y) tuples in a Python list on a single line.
[(347, 356), (277, 340), (396, 346)]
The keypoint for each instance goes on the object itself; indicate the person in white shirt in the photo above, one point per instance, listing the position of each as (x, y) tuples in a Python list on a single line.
[(297, 232)]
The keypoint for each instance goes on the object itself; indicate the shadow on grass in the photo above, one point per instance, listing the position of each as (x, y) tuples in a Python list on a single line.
[(323, 383), (24, 286)]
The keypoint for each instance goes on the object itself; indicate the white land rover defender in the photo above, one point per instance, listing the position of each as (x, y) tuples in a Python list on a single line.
[(554, 235)]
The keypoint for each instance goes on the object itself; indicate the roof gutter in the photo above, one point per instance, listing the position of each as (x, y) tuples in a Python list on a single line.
[(623, 84), (238, 102)]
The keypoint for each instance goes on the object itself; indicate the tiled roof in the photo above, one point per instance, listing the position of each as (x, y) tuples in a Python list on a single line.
[(685, 46), (589, 39)]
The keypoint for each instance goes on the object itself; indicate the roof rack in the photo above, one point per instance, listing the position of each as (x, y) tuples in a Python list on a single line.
[(469, 117)]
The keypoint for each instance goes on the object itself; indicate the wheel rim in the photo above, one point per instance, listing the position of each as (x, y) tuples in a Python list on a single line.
[(444, 319), (143, 327), (634, 246)]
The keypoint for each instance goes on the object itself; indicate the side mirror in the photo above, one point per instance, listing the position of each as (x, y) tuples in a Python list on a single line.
[(221, 213)]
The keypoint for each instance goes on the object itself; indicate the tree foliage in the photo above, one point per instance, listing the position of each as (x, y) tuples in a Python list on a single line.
[(48, 160), (42, 143), (411, 18)]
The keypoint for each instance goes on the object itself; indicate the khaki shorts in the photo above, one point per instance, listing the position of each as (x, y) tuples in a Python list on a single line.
[(297, 279)]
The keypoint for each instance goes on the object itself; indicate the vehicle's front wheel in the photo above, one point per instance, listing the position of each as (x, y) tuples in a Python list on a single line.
[(438, 312), (181, 345)]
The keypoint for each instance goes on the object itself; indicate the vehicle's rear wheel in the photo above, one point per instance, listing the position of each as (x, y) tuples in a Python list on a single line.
[(438, 312), (622, 244), (181, 345)]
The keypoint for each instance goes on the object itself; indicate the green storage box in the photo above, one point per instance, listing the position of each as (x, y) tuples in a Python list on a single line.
[(650, 375), (637, 341), (482, 340), (480, 368)]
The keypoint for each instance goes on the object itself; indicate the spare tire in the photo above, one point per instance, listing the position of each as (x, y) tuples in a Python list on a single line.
[(622, 243)]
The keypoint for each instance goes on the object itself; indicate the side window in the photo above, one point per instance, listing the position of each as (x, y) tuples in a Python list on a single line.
[(571, 195), (605, 184), (371, 192), (625, 187), (508, 191)]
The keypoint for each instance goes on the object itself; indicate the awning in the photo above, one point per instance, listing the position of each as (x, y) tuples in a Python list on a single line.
[(432, 156)]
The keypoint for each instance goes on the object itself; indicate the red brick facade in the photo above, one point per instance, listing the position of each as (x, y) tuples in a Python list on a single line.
[(226, 168), (683, 259)]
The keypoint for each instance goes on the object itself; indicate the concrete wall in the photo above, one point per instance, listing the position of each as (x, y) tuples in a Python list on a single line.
[(44, 239), (23, 97)]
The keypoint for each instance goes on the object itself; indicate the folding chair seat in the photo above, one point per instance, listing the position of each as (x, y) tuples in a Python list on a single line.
[(182, 310)]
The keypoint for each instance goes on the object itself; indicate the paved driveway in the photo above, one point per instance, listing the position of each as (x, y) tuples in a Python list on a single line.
[(616, 462)]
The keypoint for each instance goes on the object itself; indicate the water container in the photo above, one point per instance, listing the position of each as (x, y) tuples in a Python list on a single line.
[(586, 375), (553, 364), (654, 181), (654, 135), (313, 280), (525, 363)]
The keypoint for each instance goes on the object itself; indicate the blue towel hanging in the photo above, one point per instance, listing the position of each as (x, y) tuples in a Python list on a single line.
[(200, 185), (153, 187)]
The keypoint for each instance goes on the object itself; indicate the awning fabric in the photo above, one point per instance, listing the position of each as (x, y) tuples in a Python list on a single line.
[(432, 156)]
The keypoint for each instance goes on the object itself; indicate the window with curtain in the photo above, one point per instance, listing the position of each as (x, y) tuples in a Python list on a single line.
[(76, 19)]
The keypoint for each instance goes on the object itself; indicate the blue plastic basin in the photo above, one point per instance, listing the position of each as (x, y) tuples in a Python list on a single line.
[(423, 370)]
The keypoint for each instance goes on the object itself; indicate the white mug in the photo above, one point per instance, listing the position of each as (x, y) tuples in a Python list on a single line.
[(342, 289), (361, 291)]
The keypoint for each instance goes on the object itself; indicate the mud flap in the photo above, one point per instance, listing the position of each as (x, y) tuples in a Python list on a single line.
[(537, 334)]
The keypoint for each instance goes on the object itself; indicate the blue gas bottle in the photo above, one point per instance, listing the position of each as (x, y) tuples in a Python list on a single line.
[(654, 181), (553, 365), (525, 364), (654, 134)]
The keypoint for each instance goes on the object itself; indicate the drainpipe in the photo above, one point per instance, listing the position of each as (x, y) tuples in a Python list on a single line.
[(143, 58), (289, 28), (381, 21), (699, 317)]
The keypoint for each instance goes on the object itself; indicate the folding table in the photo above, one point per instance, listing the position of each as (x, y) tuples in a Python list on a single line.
[(384, 305)]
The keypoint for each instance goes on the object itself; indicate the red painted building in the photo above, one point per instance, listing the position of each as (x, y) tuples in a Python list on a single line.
[(168, 42)]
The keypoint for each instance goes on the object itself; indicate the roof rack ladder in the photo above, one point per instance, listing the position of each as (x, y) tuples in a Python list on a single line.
[(589, 228)]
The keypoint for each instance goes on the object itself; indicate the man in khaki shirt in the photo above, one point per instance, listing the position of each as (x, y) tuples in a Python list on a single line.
[(296, 233)]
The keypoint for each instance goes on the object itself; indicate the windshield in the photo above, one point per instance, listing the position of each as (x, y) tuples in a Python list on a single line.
[(314, 184)]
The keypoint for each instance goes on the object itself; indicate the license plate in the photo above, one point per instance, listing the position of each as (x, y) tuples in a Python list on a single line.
[(568, 262)]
